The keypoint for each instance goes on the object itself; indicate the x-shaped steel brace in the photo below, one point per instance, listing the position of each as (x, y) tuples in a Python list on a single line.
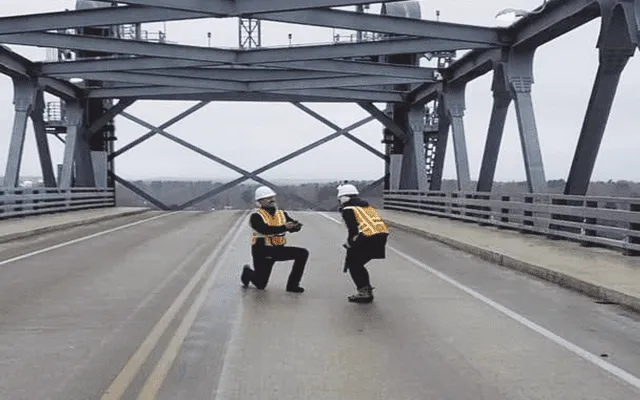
[(337, 128), (212, 157), (277, 162)]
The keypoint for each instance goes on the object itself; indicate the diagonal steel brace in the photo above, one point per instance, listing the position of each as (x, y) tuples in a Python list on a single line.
[(337, 128), (211, 156), (167, 124), (277, 162), (138, 191)]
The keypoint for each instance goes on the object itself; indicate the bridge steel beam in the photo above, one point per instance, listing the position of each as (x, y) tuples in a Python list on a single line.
[(277, 162), (317, 17), (261, 72), (42, 142), (163, 126), (208, 155), (243, 7), (174, 93), (337, 128), (227, 85), (24, 100), (257, 56), (501, 101), (619, 38), (152, 199)]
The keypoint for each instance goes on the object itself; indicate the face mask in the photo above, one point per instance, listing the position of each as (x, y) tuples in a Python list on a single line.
[(343, 199)]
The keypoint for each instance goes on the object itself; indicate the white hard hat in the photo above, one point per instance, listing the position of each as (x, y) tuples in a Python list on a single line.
[(263, 192), (347, 190)]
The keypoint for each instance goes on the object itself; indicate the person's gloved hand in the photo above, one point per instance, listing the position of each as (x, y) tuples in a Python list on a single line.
[(294, 226)]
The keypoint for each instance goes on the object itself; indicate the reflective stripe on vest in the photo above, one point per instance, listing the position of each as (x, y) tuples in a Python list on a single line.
[(369, 221), (278, 219)]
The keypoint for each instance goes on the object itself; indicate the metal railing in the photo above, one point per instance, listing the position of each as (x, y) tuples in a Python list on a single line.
[(36, 201), (605, 221)]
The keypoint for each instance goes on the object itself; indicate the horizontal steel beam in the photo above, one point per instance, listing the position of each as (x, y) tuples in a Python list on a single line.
[(118, 46), (254, 73), (12, 64), (15, 65), (329, 83), (245, 74), (558, 18), (361, 67), (117, 64), (391, 25), (244, 7), (166, 91), (259, 56), (348, 50), (91, 17), (247, 97), (216, 84), (160, 80), (533, 30), (320, 17)]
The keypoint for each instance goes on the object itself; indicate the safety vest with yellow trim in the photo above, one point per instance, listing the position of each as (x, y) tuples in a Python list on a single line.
[(369, 221), (278, 219)]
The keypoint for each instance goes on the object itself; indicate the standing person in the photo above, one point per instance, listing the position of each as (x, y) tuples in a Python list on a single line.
[(366, 239), (270, 226)]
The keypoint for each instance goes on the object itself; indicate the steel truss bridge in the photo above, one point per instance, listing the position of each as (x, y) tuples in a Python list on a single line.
[(103, 45)]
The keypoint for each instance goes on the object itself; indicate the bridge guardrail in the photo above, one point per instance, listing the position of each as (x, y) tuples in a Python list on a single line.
[(591, 220), (22, 202)]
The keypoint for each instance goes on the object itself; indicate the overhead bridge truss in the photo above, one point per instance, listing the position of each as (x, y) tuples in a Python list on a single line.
[(105, 64)]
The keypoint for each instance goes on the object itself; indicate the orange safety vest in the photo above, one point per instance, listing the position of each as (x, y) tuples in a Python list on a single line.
[(278, 219), (369, 221)]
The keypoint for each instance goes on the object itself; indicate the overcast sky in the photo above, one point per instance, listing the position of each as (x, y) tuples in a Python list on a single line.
[(252, 135)]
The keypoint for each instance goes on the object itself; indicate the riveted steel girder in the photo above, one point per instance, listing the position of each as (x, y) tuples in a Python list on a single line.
[(263, 72), (175, 93), (535, 29), (16, 66), (244, 7), (257, 56), (320, 17)]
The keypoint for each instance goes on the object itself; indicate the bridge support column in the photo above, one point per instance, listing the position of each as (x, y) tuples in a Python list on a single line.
[(413, 175), (42, 142), (24, 97), (520, 77), (441, 149), (451, 114), (501, 103), (77, 165), (617, 43)]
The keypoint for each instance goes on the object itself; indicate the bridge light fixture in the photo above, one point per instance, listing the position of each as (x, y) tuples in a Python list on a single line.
[(512, 14)]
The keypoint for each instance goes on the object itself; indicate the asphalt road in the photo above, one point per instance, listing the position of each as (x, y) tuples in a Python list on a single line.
[(155, 310)]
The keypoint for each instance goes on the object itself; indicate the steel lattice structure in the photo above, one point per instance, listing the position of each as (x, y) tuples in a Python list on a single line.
[(102, 43)]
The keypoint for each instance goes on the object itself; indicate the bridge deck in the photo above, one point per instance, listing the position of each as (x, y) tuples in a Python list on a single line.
[(136, 311)]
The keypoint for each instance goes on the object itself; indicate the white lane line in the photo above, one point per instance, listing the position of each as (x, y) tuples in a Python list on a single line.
[(82, 239), (579, 351)]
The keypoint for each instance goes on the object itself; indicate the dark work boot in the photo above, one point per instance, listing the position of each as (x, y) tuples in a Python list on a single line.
[(295, 289), (246, 275), (364, 295)]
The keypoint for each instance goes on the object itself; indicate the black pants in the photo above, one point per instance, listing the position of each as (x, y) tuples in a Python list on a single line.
[(355, 263), (265, 256)]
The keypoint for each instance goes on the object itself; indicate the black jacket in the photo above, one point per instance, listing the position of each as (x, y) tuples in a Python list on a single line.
[(373, 245)]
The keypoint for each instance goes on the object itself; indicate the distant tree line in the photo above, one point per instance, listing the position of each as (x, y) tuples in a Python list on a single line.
[(307, 196), (318, 196)]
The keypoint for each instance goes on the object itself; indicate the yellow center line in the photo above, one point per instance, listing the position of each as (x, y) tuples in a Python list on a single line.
[(130, 370)]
